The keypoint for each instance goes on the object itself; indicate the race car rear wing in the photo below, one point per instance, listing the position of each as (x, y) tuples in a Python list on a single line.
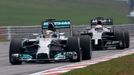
[(107, 21), (58, 24), (52, 24)]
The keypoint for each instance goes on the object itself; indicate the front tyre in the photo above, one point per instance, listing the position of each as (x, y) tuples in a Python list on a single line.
[(86, 47), (15, 48), (73, 45)]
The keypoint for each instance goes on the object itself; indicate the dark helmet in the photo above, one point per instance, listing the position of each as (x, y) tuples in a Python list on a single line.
[(99, 22)]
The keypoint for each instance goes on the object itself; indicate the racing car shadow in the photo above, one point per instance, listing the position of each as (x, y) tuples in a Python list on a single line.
[(106, 49), (47, 62)]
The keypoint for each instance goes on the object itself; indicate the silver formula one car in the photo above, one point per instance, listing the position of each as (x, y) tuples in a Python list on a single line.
[(105, 36), (50, 45)]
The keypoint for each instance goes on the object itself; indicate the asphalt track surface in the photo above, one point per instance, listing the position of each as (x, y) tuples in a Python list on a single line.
[(27, 68)]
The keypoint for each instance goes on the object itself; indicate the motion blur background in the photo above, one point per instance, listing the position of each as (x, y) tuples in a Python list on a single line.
[(32, 12)]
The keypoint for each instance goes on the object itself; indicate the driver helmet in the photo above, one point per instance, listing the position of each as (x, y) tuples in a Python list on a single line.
[(49, 33), (98, 28)]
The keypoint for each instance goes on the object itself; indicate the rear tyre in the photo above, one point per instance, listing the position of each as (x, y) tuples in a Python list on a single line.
[(15, 48), (86, 47), (127, 38), (120, 36), (73, 45)]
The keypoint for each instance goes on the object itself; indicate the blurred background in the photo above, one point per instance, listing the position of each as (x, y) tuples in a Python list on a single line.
[(32, 12)]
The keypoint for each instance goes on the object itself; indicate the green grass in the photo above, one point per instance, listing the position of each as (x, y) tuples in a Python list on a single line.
[(32, 12), (118, 66)]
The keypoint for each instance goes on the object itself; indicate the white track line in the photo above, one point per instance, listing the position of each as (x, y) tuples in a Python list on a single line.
[(63, 69)]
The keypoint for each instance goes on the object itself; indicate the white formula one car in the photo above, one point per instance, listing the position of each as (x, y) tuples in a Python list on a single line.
[(105, 36), (51, 45)]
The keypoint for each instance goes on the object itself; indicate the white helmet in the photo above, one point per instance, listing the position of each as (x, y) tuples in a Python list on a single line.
[(48, 33), (99, 28)]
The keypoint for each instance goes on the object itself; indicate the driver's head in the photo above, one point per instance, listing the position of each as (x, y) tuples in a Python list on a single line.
[(49, 33), (99, 28)]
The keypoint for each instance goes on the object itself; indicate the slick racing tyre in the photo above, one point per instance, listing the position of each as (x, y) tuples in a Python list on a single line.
[(15, 47), (127, 38), (73, 45), (120, 36), (86, 47)]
